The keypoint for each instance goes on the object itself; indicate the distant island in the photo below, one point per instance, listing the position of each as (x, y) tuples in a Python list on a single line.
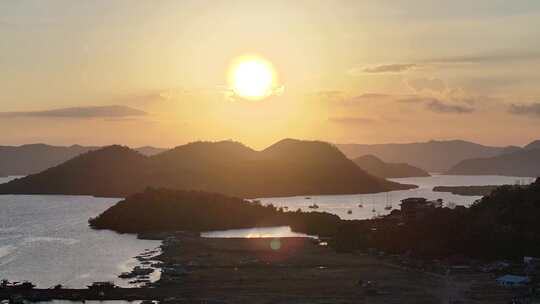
[(34, 158), (433, 156), (159, 210), (525, 162), (502, 225), (375, 166), (467, 190), (289, 167)]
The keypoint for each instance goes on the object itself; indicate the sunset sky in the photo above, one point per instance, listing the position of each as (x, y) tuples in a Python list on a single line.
[(372, 71)]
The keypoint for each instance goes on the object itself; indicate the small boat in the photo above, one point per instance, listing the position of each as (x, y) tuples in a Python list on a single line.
[(313, 206), (360, 206), (307, 197), (349, 211), (388, 205), (373, 210)]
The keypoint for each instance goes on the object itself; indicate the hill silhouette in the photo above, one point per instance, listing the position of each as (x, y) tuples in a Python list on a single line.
[(501, 225), (533, 145), (289, 167), (172, 210), (525, 162), (433, 156), (34, 158), (375, 166)]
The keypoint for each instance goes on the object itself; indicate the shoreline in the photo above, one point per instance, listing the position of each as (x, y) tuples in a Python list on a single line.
[(291, 270), (286, 270)]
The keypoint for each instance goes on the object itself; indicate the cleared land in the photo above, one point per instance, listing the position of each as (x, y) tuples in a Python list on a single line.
[(296, 270)]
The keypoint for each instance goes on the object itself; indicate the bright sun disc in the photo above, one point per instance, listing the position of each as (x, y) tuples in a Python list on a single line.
[(252, 78)]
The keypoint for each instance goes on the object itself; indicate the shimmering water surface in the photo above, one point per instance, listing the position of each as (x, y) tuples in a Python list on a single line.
[(45, 239), (374, 204), (259, 232)]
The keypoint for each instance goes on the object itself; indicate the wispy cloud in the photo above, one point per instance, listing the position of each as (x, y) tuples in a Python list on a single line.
[(330, 94), (532, 109), (441, 107), (351, 120), (416, 99), (384, 68), (371, 96), (114, 111), (427, 84), (231, 95), (502, 56)]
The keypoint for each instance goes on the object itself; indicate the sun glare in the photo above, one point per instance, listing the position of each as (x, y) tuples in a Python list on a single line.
[(252, 78)]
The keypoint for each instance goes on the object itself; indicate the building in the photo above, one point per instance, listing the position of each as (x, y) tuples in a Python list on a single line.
[(414, 208), (512, 280)]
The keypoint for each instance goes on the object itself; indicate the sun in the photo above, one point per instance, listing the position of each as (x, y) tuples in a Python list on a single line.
[(252, 77)]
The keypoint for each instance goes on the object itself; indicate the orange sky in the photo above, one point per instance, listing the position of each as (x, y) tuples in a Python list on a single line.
[(155, 72)]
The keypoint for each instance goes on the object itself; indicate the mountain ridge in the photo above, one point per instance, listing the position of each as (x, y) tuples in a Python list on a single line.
[(377, 167), (291, 168), (523, 163), (33, 158), (433, 156)]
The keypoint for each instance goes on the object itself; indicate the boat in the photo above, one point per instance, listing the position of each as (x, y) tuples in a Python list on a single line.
[(102, 285), (388, 205), (360, 206), (307, 197), (313, 206), (349, 211), (373, 210)]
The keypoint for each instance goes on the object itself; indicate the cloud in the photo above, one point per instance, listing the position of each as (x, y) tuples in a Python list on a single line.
[(488, 57), (429, 84), (114, 111), (350, 120), (146, 98), (231, 95), (330, 94), (416, 99), (384, 68), (532, 109), (441, 107), (371, 96), (368, 97)]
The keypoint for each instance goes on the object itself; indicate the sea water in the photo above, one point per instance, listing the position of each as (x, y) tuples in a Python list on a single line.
[(46, 239), (365, 206)]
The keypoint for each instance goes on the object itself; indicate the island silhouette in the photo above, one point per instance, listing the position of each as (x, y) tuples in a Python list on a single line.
[(286, 168)]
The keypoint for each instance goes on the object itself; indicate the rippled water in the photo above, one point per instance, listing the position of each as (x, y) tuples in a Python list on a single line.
[(259, 232), (374, 204), (45, 239)]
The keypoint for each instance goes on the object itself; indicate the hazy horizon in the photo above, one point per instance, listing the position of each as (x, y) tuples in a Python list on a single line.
[(254, 147), (157, 73)]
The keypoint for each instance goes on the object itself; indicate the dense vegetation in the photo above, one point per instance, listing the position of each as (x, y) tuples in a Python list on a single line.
[(467, 190), (171, 210), (289, 167), (375, 166), (501, 225)]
